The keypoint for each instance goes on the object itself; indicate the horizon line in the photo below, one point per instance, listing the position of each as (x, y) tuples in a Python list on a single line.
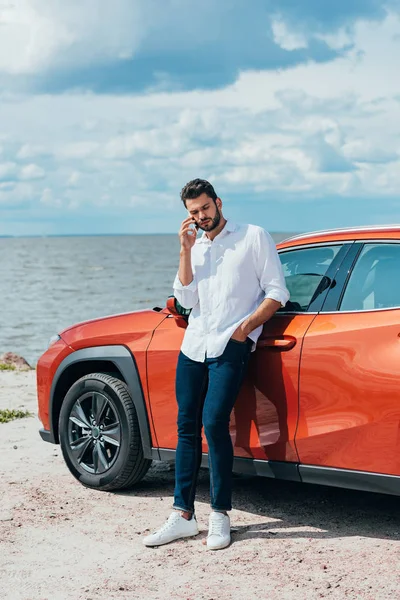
[(46, 235)]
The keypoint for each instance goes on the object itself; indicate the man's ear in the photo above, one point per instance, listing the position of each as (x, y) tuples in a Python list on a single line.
[(218, 202)]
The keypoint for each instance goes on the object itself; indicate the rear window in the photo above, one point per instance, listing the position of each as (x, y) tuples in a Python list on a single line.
[(375, 280)]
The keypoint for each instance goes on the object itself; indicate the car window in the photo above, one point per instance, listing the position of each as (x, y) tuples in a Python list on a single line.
[(375, 280), (304, 271)]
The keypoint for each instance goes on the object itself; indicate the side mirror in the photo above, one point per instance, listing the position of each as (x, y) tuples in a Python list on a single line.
[(176, 309)]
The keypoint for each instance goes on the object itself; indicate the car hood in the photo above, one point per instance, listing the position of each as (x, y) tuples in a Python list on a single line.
[(113, 329)]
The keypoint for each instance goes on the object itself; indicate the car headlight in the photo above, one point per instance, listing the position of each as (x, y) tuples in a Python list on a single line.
[(53, 340)]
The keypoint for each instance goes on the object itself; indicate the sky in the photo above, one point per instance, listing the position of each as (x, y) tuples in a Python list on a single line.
[(291, 108)]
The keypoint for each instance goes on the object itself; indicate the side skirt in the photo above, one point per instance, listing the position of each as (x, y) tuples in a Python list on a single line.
[(355, 480), (344, 478), (245, 466)]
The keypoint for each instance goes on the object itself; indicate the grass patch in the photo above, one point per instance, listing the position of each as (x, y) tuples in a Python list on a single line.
[(5, 367), (8, 414)]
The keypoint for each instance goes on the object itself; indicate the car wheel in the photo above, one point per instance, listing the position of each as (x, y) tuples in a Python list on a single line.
[(99, 434)]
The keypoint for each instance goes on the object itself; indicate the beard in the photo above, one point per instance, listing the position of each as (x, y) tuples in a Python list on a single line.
[(213, 223)]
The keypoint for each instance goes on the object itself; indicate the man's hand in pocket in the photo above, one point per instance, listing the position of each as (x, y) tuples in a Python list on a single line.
[(240, 334)]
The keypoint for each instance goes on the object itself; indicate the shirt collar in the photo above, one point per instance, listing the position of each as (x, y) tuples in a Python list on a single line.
[(230, 226)]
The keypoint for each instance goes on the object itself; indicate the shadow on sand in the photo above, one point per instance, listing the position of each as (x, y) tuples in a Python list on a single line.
[(293, 510)]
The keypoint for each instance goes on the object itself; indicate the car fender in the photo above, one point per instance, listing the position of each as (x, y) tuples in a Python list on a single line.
[(125, 363)]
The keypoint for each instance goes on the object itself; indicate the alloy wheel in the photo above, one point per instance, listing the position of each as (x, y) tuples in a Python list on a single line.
[(94, 432)]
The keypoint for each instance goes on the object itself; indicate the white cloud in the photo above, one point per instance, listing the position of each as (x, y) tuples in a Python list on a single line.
[(31, 171), (363, 150), (14, 194), (38, 35), (170, 138), (74, 179), (47, 198), (297, 36), (7, 185), (315, 129), (8, 171), (338, 40), (286, 39), (150, 202), (30, 151), (77, 150)]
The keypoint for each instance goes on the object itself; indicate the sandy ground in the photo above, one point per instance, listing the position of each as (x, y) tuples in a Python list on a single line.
[(59, 540)]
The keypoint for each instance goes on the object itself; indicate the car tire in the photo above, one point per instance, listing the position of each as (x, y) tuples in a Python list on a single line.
[(104, 454)]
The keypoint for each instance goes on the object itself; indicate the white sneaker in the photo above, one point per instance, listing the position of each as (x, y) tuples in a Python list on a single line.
[(219, 532), (175, 528)]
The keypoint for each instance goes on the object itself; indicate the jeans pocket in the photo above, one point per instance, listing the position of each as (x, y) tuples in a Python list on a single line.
[(239, 351), (240, 343)]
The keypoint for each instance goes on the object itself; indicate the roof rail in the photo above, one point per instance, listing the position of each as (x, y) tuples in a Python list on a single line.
[(343, 230)]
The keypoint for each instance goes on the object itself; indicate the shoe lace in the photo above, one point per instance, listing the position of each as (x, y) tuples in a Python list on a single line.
[(216, 526), (168, 524)]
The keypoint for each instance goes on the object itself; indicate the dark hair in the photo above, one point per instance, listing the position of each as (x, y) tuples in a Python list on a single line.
[(196, 188)]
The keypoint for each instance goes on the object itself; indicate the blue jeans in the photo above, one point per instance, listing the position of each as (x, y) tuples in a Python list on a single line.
[(206, 393)]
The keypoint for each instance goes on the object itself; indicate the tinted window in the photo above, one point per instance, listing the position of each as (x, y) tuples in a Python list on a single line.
[(304, 272), (375, 280)]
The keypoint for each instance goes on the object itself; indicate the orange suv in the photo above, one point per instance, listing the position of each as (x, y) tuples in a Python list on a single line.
[(321, 400)]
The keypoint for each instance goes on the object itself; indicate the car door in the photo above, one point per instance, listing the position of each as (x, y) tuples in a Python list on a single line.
[(266, 412), (350, 368), (264, 419)]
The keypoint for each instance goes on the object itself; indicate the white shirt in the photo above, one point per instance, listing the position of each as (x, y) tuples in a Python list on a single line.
[(232, 275)]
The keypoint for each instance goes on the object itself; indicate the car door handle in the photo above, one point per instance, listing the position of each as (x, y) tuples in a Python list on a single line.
[(286, 342)]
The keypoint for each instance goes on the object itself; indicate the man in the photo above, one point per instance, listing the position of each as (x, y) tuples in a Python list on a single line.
[(232, 279)]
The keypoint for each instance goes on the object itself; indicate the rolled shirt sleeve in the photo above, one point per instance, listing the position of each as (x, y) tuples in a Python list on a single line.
[(269, 268), (187, 295)]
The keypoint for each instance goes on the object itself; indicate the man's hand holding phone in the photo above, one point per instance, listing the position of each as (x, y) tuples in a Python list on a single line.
[(188, 234)]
